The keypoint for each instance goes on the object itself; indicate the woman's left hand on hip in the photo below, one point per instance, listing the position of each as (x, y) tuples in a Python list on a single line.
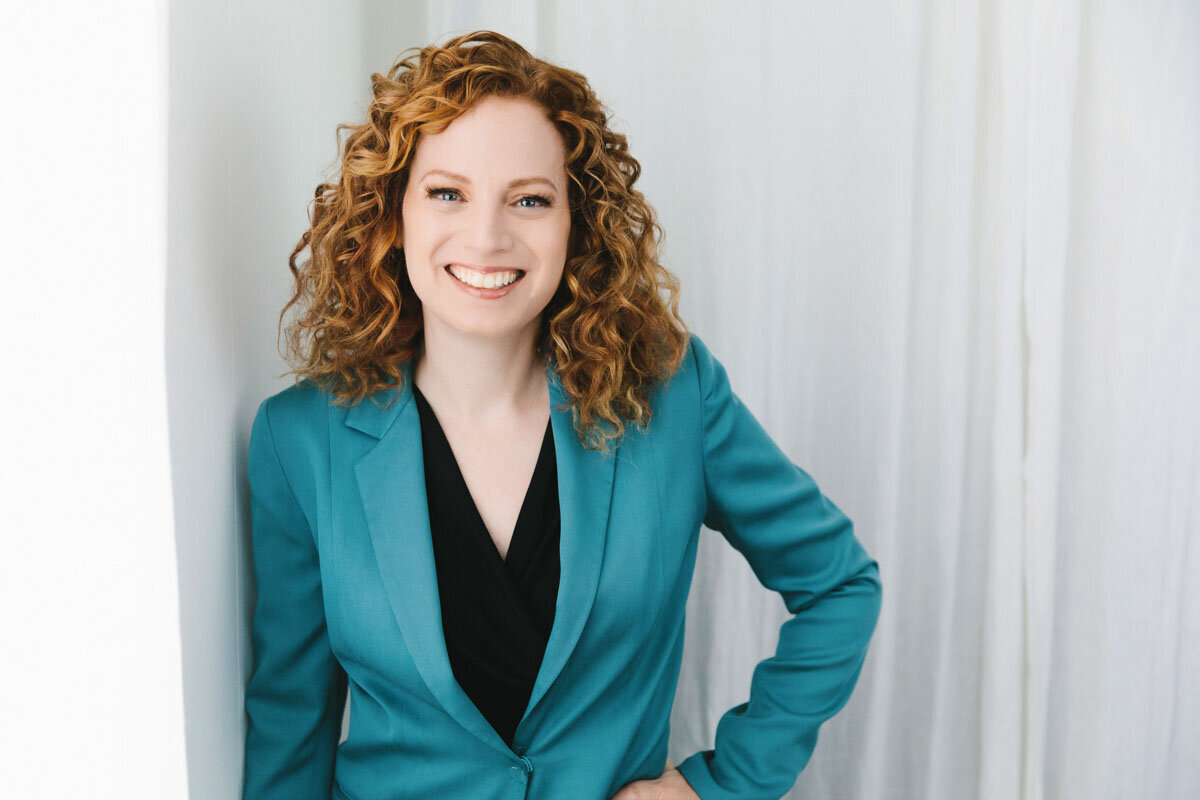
[(671, 785)]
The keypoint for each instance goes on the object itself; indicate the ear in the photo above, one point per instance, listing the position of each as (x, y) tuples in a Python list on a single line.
[(398, 239)]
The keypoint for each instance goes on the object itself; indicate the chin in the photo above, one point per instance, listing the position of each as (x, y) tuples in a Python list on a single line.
[(489, 326)]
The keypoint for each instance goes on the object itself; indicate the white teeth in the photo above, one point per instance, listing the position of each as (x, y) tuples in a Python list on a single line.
[(483, 280)]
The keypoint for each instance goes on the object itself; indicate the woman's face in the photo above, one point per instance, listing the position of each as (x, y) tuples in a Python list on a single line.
[(485, 197)]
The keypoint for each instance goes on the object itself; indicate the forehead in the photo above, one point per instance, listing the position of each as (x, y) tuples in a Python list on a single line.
[(493, 138)]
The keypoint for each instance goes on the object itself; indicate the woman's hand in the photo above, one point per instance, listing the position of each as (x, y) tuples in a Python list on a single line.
[(671, 785)]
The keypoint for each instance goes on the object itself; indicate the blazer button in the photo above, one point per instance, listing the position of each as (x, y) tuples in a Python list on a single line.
[(527, 764)]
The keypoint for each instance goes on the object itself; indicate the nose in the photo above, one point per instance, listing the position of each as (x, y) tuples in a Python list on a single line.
[(486, 229)]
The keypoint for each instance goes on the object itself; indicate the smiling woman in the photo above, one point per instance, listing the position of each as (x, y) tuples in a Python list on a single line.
[(492, 555)]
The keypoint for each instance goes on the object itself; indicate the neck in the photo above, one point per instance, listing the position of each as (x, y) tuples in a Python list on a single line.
[(480, 378)]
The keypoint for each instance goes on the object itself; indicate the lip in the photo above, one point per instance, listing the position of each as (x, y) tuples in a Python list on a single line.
[(483, 268), (487, 294)]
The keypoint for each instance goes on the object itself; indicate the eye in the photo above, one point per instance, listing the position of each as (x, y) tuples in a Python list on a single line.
[(445, 190), (435, 192)]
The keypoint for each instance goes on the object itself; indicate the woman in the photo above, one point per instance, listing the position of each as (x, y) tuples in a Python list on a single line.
[(462, 513)]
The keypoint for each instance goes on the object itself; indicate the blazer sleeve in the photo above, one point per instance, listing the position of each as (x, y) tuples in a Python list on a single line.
[(802, 546), (296, 693)]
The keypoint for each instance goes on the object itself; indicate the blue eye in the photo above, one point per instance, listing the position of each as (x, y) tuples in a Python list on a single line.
[(434, 193)]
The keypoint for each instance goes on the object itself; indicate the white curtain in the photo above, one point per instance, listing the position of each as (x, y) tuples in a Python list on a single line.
[(949, 253)]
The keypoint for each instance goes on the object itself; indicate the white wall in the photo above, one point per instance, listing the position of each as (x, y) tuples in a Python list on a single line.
[(91, 702)]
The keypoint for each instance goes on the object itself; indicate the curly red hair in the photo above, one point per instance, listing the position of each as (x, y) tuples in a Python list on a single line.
[(610, 332)]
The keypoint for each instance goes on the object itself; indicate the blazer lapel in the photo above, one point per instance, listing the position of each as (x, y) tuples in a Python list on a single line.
[(391, 484)]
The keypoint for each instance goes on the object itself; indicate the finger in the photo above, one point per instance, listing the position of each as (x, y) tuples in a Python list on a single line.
[(626, 793)]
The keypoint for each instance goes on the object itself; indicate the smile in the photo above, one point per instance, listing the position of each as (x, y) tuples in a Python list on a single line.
[(484, 280), (488, 286)]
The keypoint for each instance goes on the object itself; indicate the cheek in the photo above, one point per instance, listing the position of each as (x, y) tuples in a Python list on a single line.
[(553, 282), (552, 252), (419, 275), (548, 280)]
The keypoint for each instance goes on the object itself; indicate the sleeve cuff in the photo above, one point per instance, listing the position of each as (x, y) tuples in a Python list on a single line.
[(695, 769)]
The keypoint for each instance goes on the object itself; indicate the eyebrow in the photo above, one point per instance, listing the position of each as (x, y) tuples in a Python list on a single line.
[(511, 184)]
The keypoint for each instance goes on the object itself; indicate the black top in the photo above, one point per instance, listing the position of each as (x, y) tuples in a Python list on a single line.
[(496, 611)]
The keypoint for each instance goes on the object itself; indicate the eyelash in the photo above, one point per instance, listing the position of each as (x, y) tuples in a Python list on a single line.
[(543, 200)]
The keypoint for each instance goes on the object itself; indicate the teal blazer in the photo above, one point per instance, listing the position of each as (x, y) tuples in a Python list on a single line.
[(347, 600)]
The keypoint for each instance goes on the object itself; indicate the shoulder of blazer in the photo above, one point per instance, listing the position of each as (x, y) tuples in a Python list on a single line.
[(676, 400), (299, 420), (708, 379), (299, 409), (686, 380), (700, 361)]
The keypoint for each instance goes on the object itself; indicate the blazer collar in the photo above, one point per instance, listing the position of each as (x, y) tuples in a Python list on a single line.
[(391, 484)]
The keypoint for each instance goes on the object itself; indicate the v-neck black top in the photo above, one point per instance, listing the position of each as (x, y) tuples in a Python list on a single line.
[(496, 611)]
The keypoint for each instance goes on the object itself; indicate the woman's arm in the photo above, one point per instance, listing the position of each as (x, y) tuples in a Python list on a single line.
[(801, 545), (297, 690)]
